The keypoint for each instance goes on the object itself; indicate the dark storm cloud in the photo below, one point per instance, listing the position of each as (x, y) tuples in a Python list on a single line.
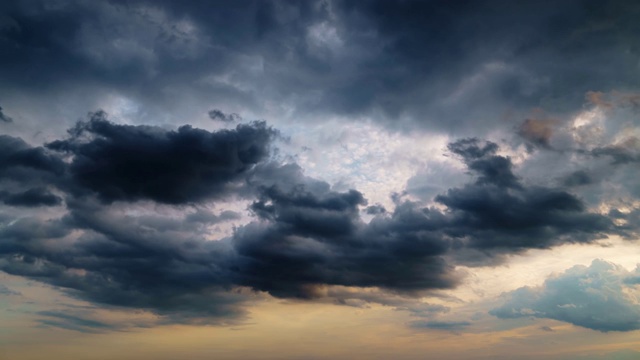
[(169, 268), (30, 198), (26, 164), (305, 235), (320, 235), (439, 64), (4, 118), (318, 230), (498, 212), (597, 297), (156, 52), (122, 162), (480, 158)]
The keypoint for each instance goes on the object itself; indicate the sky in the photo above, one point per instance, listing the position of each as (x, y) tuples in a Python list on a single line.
[(321, 179)]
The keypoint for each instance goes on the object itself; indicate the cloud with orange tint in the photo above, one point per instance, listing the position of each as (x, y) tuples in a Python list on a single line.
[(538, 131)]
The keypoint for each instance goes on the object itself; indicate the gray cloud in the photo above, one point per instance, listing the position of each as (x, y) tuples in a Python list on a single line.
[(304, 236), (216, 114), (120, 162), (623, 152), (577, 178), (25, 164), (5, 118), (597, 297), (319, 233), (31, 198), (499, 212), (434, 65), (537, 131)]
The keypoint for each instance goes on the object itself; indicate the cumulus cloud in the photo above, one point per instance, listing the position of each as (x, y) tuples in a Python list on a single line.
[(319, 233), (602, 297), (122, 162), (500, 213)]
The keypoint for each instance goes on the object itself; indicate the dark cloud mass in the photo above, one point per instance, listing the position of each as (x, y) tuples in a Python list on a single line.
[(23, 163), (5, 118), (121, 162), (312, 238), (31, 198), (498, 212), (304, 236), (467, 62)]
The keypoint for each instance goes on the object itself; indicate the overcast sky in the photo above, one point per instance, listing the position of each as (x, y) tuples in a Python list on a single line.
[(319, 179)]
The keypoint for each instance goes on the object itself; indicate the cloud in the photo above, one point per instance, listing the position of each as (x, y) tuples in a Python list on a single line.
[(375, 209), (435, 65), (318, 232), (128, 215), (537, 131), (216, 114), (135, 233), (160, 264), (123, 162), (597, 297), (31, 198), (498, 213), (206, 217), (577, 178), (5, 118), (623, 152)]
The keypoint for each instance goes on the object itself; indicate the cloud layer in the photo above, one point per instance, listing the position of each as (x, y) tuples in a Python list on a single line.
[(114, 246)]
